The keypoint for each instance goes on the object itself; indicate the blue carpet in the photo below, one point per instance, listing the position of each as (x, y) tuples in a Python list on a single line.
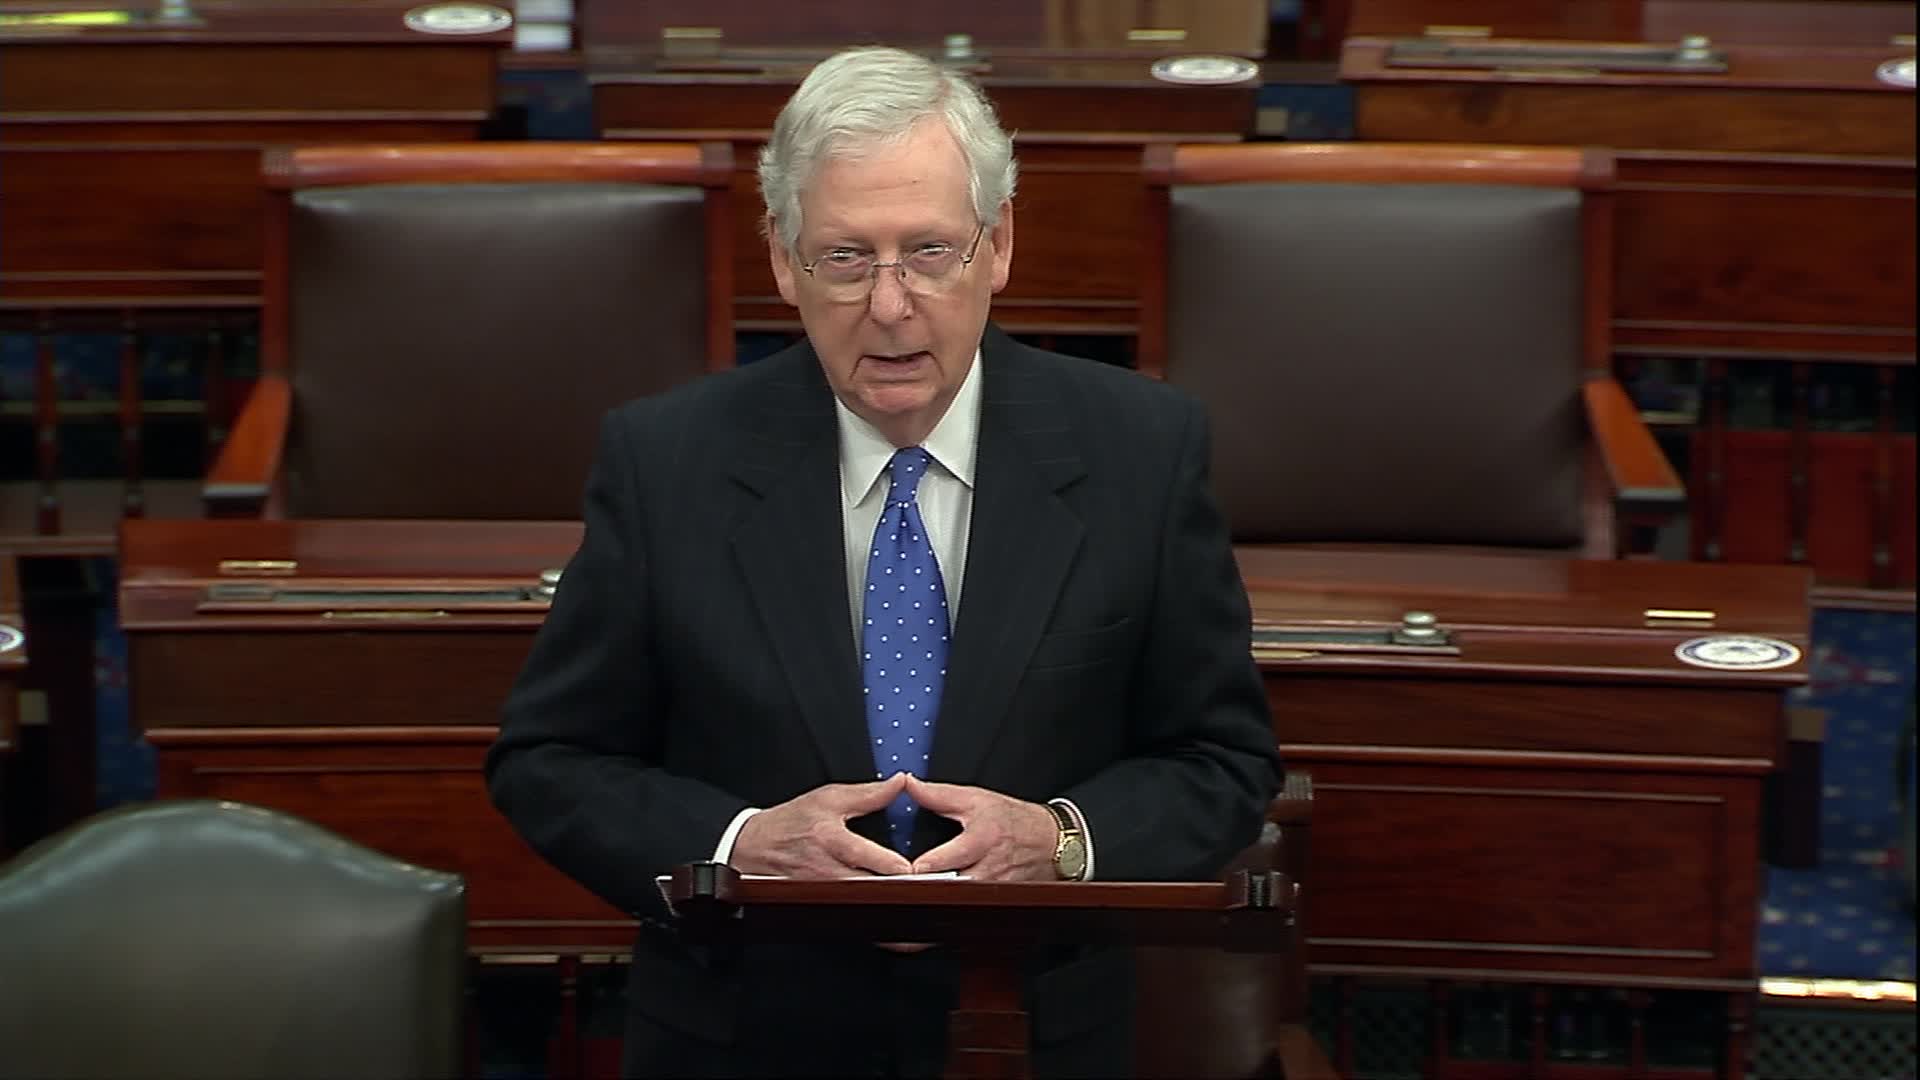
[(1851, 916)]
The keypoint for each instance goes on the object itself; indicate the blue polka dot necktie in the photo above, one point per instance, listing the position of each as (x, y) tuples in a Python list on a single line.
[(903, 638)]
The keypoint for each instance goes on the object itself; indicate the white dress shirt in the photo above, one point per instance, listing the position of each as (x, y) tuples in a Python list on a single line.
[(945, 496)]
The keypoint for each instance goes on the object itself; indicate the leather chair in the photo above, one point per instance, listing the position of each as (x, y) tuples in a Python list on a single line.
[(443, 326), (1403, 345), (1206, 1014), (211, 940)]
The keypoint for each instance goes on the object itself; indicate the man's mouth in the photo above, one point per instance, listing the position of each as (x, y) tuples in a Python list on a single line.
[(896, 361)]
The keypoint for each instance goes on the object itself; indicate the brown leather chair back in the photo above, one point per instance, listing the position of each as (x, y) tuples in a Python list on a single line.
[(1208, 1014), (214, 940), (457, 325), (1391, 341)]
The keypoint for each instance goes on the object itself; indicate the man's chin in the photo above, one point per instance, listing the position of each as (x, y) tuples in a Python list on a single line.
[(898, 401)]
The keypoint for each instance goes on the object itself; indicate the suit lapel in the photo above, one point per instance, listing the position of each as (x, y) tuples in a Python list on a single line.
[(1022, 543), (793, 558)]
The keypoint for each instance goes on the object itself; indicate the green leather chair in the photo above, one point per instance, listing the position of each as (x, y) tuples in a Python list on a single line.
[(210, 939)]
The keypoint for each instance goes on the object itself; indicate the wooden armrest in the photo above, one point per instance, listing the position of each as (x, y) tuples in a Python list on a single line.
[(243, 476), (1638, 471)]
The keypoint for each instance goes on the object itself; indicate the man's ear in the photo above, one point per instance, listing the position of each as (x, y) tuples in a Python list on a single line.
[(781, 259), (1002, 236)]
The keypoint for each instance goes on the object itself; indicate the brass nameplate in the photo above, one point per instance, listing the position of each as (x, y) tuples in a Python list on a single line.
[(259, 567), (1147, 34), (1679, 618)]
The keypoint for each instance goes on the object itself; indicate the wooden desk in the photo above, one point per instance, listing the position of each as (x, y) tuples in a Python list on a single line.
[(130, 198), (1788, 22), (1765, 211), (373, 726), (1074, 89), (130, 154), (1565, 798), (1564, 802), (1612, 793), (1763, 214)]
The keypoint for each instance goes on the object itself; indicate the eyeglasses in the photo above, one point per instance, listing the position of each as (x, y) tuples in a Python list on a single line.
[(847, 275)]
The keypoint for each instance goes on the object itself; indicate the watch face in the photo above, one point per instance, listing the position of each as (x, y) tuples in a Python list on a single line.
[(1071, 859)]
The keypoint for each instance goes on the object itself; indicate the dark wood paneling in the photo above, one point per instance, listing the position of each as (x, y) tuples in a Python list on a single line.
[(129, 156), (1640, 875), (1727, 119), (1754, 22), (1078, 131), (1815, 250), (75, 212), (424, 802), (994, 27), (1768, 211), (186, 76), (251, 679), (1077, 242), (1471, 714)]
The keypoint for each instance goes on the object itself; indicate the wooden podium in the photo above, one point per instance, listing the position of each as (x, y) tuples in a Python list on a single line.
[(990, 925)]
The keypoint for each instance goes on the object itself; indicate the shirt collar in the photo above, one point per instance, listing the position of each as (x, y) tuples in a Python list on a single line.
[(954, 441)]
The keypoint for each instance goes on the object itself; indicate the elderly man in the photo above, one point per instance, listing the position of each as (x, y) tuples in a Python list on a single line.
[(906, 597)]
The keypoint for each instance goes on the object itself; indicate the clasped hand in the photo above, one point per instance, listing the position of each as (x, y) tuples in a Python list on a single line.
[(1001, 838)]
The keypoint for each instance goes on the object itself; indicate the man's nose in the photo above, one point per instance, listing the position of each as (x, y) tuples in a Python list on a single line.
[(889, 301)]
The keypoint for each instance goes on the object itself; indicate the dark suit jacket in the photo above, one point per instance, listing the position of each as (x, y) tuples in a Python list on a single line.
[(699, 658)]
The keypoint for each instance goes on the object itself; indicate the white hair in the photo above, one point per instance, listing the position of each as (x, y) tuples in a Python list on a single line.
[(862, 97)]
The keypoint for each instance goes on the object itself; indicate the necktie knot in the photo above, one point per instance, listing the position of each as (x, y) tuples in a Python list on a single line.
[(904, 471)]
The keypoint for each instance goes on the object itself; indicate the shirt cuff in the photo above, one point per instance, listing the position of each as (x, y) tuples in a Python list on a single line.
[(724, 852), (1086, 834)]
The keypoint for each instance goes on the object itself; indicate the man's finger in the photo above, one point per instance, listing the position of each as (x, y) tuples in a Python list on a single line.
[(944, 799), (861, 853), (959, 853), (852, 800)]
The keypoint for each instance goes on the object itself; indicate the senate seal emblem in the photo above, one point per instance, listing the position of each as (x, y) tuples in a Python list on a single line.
[(1735, 653), (458, 19), (1896, 72), (10, 638), (1205, 70)]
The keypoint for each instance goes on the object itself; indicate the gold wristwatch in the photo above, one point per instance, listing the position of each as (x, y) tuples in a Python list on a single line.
[(1070, 849)]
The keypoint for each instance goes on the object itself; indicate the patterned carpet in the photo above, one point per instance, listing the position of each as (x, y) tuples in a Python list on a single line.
[(1851, 917)]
